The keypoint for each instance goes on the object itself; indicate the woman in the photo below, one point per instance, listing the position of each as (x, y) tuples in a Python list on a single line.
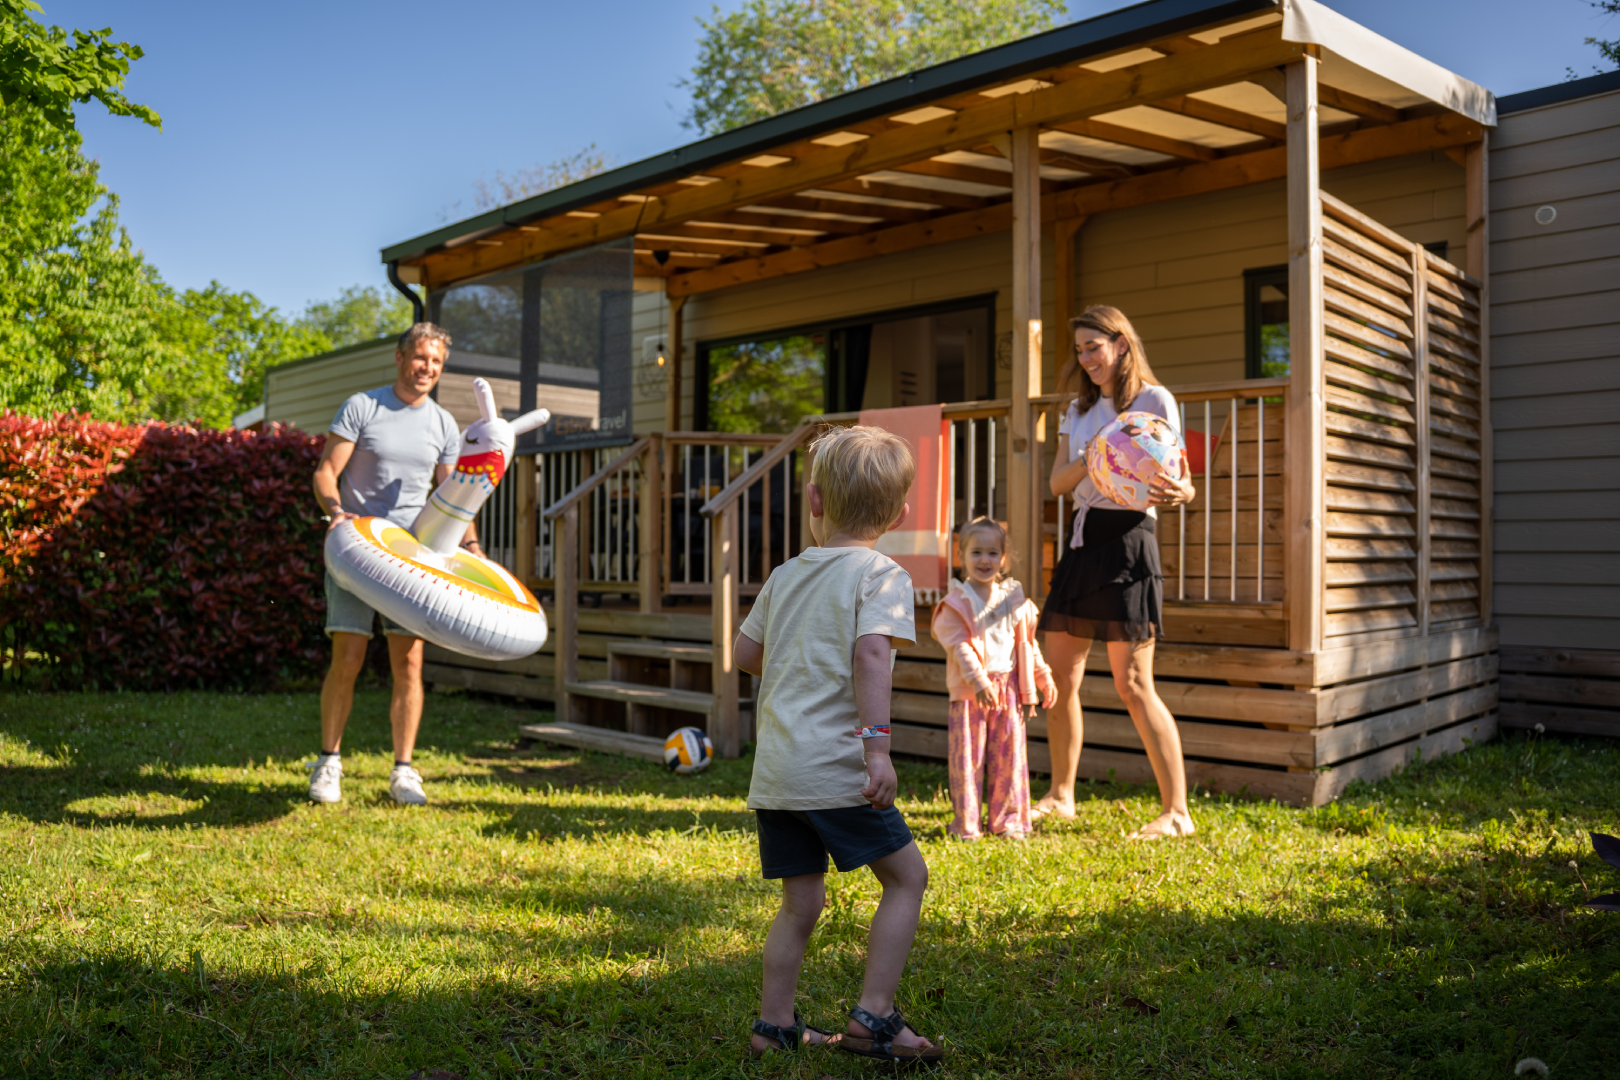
[(1108, 584)]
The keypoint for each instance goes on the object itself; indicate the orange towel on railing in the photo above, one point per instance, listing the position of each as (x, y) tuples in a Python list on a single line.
[(922, 543)]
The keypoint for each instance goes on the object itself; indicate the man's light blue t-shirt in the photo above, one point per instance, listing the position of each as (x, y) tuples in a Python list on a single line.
[(396, 446)]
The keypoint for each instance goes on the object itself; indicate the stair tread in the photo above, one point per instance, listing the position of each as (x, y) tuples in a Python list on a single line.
[(593, 738), (686, 700), (663, 650)]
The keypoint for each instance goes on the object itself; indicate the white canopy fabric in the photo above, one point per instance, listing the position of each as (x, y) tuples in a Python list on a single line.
[(1309, 22)]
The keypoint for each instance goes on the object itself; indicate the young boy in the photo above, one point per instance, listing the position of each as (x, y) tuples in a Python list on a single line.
[(821, 635)]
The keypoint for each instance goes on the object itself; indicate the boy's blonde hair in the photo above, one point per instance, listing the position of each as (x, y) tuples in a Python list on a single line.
[(864, 475)]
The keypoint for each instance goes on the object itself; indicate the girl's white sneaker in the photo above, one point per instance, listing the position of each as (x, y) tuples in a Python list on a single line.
[(405, 785), (326, 774)]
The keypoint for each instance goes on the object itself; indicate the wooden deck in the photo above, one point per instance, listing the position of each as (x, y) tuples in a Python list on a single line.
[(1265, 722)]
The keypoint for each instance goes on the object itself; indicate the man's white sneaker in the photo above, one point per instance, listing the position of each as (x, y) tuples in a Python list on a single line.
[(325, 779), (405, 785)]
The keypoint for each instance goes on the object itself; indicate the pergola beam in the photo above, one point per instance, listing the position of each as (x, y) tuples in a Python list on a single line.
[(1372, 144), (1211, 113), (1141, 140), (1076, 99)]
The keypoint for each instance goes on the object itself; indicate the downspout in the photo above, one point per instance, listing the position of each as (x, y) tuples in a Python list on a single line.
[(416, 301)]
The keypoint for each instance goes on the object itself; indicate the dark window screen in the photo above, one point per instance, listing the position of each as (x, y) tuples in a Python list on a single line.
[(560, 330)]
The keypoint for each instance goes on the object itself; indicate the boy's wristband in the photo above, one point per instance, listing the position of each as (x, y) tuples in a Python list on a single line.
[(876, 731)]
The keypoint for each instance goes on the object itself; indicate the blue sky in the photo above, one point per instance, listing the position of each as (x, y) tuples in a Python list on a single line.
[(300, 138)]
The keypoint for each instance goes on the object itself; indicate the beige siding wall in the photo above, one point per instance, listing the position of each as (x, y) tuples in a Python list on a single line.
[(1555, 371), (1175, 267), (307, 395)]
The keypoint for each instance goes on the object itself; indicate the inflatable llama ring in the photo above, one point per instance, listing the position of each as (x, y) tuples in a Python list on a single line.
[(423, 579)]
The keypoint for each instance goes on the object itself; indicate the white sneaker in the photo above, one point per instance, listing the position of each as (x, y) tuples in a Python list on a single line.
[(405, 785), (324, 782)]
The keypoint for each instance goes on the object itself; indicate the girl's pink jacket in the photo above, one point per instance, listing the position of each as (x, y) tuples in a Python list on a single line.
[(952, 627)]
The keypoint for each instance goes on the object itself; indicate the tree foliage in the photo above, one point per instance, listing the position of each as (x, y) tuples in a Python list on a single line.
[(78, 304), (773, 55), (1609, 49), (359, 313), (41, 69)]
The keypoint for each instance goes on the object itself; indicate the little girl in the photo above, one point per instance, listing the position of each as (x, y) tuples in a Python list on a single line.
[(993, 669)]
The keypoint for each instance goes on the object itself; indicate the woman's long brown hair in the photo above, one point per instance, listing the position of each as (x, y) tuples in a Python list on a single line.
[(1076, 387)]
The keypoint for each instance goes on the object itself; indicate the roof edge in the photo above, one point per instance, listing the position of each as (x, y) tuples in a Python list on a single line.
[(1607, 82), (1101, 33)]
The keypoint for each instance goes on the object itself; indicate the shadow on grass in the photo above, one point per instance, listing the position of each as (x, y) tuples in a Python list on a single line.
[(1139, 989), (140, 798)]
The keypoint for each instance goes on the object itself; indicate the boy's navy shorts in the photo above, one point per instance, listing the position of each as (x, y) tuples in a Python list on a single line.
[(795, 842)]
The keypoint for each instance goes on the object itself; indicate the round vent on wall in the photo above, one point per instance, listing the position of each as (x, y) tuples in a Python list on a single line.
[(1546, 215)]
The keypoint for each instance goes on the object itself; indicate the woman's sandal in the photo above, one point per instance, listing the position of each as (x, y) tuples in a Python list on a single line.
[(881, 1044), (791, 1038)]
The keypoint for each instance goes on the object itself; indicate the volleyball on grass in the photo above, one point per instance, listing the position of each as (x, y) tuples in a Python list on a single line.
[(1129, 453), (687, 750)]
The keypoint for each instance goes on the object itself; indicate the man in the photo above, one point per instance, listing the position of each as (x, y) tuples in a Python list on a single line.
[(388, 449)]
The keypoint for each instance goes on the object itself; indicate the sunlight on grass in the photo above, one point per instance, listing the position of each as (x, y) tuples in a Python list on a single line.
[(173, 907)]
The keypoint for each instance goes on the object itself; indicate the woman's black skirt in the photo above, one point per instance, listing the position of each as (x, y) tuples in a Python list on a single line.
[(1112, 588)]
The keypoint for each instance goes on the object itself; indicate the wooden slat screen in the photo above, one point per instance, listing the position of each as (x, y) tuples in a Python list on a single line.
[(1452, 312), (1373, 548)]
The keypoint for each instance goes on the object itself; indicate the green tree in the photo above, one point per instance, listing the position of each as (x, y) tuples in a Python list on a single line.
[(78, 303), (41, 70), (358, 313), (774, 55), (508, 188), (215, 347), (765, 385), (1609, 49)]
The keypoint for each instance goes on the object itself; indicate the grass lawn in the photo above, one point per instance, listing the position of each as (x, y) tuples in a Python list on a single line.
[(172, 908)]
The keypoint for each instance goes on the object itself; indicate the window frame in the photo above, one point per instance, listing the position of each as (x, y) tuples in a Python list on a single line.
[(1254, 280)]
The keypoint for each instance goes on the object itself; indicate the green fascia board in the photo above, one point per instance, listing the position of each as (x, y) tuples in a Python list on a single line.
[(1103, 33)]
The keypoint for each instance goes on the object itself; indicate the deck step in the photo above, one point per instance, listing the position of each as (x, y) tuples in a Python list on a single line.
[(636, 694), (584, 737), (686, 651)]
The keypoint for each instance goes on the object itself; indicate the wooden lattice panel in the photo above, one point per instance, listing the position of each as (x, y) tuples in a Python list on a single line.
[(1373, 548), (1452, 308)]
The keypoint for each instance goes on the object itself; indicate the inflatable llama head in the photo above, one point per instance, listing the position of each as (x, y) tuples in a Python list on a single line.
[(486, 451)]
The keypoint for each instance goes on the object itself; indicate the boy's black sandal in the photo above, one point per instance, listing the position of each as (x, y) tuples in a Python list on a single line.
[(791, 1038), (881, 1044)]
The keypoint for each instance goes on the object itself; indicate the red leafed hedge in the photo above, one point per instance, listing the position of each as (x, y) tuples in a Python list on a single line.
[(157, 556)]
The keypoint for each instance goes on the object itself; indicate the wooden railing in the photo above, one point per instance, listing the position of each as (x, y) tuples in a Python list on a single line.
[(564, 515), (724, 512)]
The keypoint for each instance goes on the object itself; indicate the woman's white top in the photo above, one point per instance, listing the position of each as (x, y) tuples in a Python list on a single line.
[(1082, 428), (993, 624)]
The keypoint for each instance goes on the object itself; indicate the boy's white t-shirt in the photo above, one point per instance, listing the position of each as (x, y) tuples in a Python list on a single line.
[(808, 616)]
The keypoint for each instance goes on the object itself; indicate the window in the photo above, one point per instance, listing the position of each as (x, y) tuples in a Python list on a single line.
[(911, 356), (766, 385), (1265, 322)]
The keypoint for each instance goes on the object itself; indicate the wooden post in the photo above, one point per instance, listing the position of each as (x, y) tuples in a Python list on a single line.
[(652, 526), (1024, 465), (1476, 169), (1067, 264), (565, 537), (723, 597), (523, 475), (1066, 257), (674, 352), (1305, 421), (1420, 409)]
